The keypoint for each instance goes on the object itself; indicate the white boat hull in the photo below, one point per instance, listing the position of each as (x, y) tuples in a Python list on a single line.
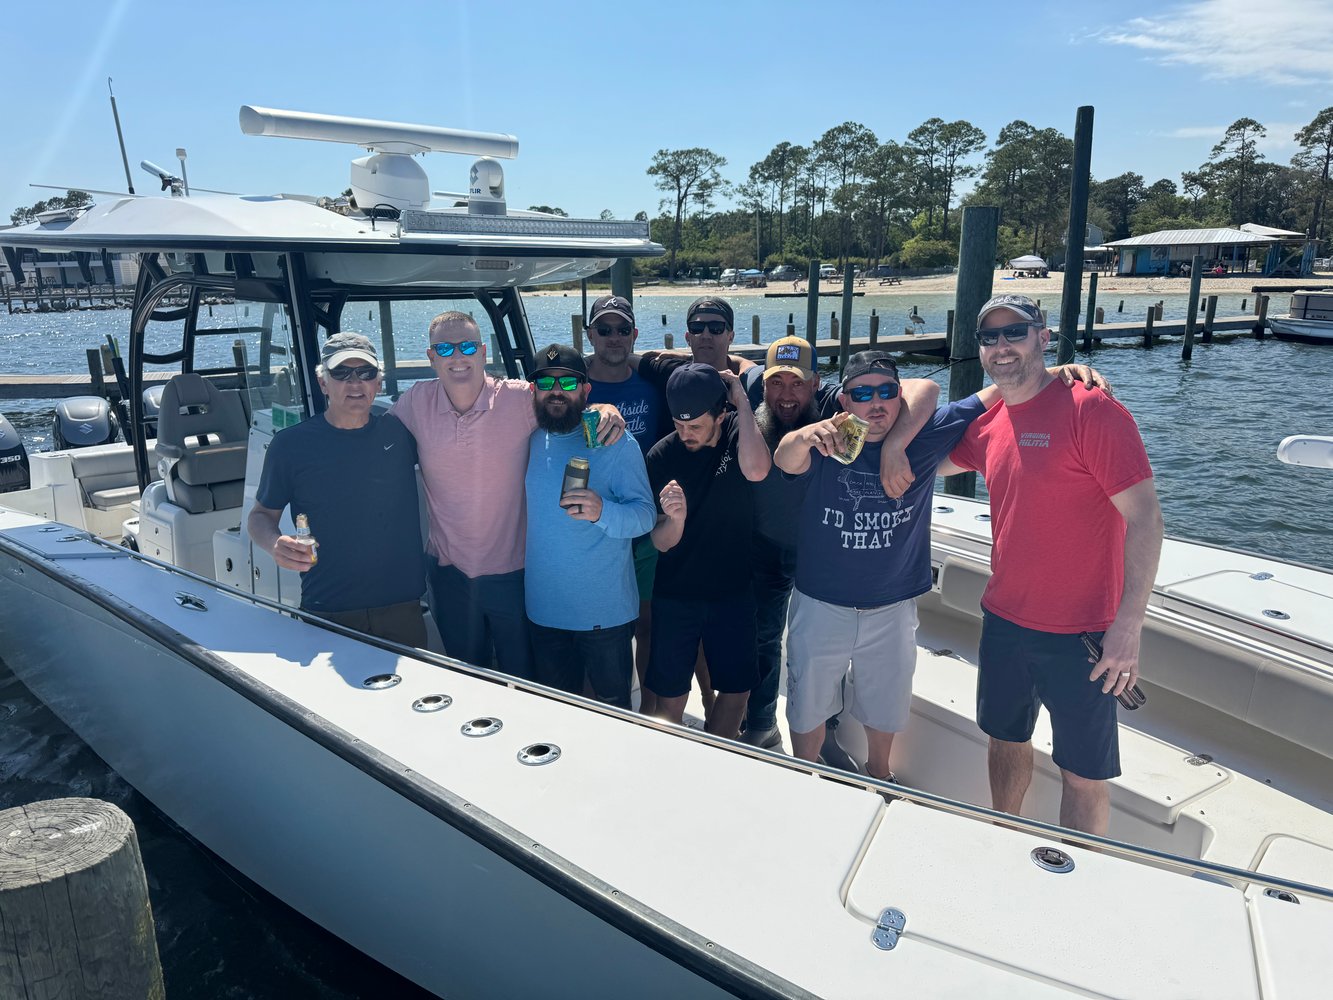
[(1306, 331)]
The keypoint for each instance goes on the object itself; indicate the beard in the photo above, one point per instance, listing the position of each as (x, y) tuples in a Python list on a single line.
[(561, 422), (773, 430)]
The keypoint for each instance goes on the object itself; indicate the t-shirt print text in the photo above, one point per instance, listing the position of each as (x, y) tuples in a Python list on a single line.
[(722, 465), (1034, 439)]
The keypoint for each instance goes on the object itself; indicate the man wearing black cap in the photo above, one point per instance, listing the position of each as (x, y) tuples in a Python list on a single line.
[(612, 333), (367, 573), (708, 332), (581, 595), (702, 474)]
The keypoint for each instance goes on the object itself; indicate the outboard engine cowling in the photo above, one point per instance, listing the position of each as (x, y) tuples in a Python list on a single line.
[(83, 421), (152, 406), (14, 474)]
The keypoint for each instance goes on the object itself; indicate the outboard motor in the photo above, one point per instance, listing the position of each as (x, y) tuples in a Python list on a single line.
[(13, 459), (83, 421), (152, 405)]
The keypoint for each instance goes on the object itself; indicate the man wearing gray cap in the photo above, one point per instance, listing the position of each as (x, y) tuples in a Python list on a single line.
[(1061, 463), (367, 572)]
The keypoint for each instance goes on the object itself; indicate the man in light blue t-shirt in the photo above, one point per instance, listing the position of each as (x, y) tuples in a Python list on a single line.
[(582, 599)]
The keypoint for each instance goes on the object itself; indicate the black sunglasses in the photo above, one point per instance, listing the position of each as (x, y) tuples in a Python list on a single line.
[(865, 393), (1014, 333), (613, 331), (465, 347), (714, 326), (365, 373)]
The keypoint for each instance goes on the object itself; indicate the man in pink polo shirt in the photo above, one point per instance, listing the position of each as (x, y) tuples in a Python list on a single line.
[(472, 441)]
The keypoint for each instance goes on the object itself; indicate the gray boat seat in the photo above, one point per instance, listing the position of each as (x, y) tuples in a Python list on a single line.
[(201, 444), (106, 475)]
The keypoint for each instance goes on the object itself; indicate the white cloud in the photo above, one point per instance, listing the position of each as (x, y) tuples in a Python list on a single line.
[(1277, 145), (1280, 42)]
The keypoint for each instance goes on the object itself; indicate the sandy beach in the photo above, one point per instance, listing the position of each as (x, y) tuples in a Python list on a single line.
[(1239, 284)]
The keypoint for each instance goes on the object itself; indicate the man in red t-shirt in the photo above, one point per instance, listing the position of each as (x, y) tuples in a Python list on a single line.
[(1077, 532)]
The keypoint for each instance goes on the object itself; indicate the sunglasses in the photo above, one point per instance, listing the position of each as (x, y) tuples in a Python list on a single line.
[(714, 326), (613, 331), (467, 348), (567, 383), (865, 393), (365, 373), (1014, 333)]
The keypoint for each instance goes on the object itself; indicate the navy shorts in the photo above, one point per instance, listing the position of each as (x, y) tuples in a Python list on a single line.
[(726, 628), (1023, 669)]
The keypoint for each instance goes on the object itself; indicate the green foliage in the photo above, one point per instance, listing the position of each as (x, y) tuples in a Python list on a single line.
[(549, 210), (922, 252), (72, 198)]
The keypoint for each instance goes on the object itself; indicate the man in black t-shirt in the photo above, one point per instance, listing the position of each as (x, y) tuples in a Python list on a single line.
[(353, 475), (702, 475)]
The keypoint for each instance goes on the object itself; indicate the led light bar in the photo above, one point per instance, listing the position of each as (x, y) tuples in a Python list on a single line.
[(482, 225)]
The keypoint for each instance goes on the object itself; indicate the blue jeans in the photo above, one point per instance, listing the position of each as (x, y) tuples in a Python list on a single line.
[(604, 655), (483, 619), (774, 570)]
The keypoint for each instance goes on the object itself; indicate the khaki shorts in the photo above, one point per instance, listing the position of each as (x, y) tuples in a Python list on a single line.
[(827, 641)]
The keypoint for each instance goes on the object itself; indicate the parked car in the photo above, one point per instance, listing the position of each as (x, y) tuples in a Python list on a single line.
[(880, 271), (785, 272), (730, 276), (828, 271)]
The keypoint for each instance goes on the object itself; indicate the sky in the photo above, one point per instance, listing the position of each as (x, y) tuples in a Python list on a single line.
[(593, 89)]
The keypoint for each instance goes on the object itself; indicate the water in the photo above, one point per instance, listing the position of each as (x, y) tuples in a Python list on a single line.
[(1211, 426)]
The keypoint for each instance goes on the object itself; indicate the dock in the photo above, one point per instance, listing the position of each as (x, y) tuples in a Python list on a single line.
[(901, 343), (806, 295)]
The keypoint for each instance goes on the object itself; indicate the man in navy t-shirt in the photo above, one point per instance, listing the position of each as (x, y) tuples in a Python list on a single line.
[(862, 559)]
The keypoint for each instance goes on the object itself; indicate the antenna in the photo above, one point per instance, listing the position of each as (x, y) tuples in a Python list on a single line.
[(120, 137), (185, 181)]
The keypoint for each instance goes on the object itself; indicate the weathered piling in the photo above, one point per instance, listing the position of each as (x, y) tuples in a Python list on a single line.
[(1092, 312), (1209, 314), (1192, 309), (754, 329), (1261, 321), (622, 279), (948, 323), (833, 331), (390, 356), (1120, 308), (668, 341), (1243, 304), (812, 304), (1100, 317), (844, 345), (576, 325), (976, 272), (874, 328), (1079, 180), (74, 905), (1147, 326), (1157, 309)]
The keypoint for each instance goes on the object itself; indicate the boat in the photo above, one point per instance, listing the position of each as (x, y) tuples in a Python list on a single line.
[(485, 836), (1309, 318)]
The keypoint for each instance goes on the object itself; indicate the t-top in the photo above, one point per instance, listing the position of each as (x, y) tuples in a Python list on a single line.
[(358, 488), (712, 558), (580, 574), (473, 466), (857, 547), (1052, 465), (640, 403)]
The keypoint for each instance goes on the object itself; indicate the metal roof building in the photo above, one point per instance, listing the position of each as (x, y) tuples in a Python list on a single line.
[(1168, 251)]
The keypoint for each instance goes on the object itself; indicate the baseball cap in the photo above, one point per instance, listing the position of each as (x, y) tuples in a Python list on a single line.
[(343, 347), (867, 363), (1020, 304), (712, 304), (612, 305), (790, 354), (692, 390), (558, 357)]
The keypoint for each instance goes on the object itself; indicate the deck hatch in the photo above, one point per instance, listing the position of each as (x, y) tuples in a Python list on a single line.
[(1052, 859)]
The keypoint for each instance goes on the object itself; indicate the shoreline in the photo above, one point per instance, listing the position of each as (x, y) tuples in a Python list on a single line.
[(946, 283)]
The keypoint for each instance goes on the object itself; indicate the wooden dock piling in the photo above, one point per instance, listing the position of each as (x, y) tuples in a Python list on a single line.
[(754, 329), (576, 324), (668, 341), (1092, 314), (848, 283), (1262, 320), (874, 327), (1080, 179), (74, 904), (812, 304), (1147, 326), (976, 274), (1209, 315), (1192, 309)]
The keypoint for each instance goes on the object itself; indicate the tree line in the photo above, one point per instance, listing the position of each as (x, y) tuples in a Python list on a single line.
[(848, 196), (70, 199)]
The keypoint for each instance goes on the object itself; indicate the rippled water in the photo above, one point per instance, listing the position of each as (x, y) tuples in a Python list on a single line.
[(1211, 426)]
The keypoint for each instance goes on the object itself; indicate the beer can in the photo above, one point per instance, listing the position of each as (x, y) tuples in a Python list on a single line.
[(590, 421), (576, 475), (852, 437)]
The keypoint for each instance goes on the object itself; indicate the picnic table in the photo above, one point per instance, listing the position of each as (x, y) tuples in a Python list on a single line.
[(892, 279)]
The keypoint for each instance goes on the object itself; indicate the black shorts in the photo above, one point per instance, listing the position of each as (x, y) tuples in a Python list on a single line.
[(726, 629), (1022, 669)]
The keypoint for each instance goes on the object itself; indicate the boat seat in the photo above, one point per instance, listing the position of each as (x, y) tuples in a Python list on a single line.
[(201, 444), (106, 476)]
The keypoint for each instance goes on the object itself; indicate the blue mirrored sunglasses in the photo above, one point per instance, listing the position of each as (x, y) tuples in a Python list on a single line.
[(465, 347)]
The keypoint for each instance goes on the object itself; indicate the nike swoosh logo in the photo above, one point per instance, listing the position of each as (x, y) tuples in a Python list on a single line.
[(387, 447)]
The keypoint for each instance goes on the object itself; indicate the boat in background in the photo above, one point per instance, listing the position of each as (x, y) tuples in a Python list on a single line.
[(1309, 318), (485, 836)]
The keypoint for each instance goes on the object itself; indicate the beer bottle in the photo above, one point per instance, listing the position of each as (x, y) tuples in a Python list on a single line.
[(304, 537)]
